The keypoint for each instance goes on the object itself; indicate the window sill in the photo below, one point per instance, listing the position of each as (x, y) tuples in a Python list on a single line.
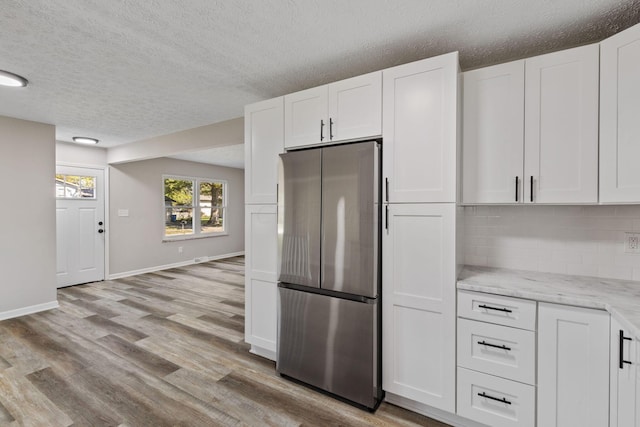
[(192, 237)]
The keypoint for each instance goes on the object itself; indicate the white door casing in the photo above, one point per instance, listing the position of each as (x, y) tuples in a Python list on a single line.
[(80, 246)]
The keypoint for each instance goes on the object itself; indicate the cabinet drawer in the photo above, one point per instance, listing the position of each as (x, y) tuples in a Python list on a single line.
[(497, 350), (514, 312), (495, 401)]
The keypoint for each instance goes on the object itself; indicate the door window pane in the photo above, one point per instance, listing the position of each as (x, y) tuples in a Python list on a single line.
[(75, 187)]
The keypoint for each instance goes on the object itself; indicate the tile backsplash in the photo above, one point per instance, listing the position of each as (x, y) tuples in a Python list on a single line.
[(580, 240)]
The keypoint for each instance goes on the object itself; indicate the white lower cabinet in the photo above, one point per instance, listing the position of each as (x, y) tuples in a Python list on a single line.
[(419, 301), (496, 359), (573, 366), (495, 401), (497, 350), (260, 278), (625, 378)]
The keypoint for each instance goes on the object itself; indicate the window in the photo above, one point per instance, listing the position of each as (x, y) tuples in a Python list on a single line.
[(189, 198), (75, 187)]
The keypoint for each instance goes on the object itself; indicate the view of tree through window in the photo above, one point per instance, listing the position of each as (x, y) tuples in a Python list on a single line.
[(189, 198), (211, 203), (75, 187), (178, 200)]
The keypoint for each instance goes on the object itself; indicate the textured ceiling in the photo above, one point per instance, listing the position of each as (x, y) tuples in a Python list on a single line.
[(125, 70)]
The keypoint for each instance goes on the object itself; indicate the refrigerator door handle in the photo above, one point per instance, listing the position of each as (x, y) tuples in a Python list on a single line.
[(386, 218), (386, 189)]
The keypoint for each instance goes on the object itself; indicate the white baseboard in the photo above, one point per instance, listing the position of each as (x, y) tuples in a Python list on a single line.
[(197, 260), (28, 310), (430, 411), (268, 354)]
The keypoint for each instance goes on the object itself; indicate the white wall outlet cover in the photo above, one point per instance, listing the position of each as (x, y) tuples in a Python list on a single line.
[(632, 243), (123, 212)]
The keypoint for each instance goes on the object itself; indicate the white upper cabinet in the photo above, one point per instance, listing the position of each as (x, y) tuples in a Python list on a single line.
[(348, 109), (355, 107), (420, 112), (561, 127), (493, 132), (531, 130), (305, 117), (620, 117), (263, 141)]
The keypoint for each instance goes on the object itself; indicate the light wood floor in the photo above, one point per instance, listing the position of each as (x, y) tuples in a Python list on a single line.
[(158, 349)]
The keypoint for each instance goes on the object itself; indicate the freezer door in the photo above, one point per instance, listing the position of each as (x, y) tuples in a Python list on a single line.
[(299, 213), (350, 212), (330, 343)]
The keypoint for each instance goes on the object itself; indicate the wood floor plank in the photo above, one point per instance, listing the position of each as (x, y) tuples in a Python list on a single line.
[(153, 363), (158, 349), (94, 307), (187, 358), (5, 416), (125, 332), (46, 343), (235, 322), (145, 307), (83, 408), (237, 405), (27, 405), (4, 363), (211, 328)]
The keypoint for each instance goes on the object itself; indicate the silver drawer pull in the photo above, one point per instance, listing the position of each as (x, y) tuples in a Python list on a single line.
[(503, 400), (502, 347)]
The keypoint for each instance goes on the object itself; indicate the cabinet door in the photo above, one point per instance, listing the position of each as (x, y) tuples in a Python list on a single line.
[(420, 102), (619, 113), (625, 406), (263, 141), (305, 117), (493, 134), (419, 303), (573, 366), (561, 127), (260, 276), (355, 107)]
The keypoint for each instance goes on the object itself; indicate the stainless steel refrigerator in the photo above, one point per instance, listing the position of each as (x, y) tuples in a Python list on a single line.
[(329, 310)]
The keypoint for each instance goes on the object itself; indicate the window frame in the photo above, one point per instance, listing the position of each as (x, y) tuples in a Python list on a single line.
[(196, 208)]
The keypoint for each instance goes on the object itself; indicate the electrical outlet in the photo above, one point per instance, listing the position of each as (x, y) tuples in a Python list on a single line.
[(632, 243), (179, 249)]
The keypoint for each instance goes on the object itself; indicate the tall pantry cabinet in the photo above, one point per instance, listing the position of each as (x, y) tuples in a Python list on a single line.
[(420, 138), (263, 140)]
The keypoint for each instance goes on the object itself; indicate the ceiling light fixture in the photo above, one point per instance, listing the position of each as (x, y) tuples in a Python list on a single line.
[(12, 80), (85, 140)]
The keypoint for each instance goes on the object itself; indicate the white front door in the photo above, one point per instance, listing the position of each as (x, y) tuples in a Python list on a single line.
[(80, 225)]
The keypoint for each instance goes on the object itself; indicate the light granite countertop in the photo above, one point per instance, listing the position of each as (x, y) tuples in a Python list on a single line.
[(621, 298)]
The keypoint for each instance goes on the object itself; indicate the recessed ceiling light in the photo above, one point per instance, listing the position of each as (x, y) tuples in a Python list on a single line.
[(12, 80), (84, 140)]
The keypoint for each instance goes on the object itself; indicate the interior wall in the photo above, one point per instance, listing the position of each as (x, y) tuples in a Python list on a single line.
[(136, 240), (580, 240), (28, 243), (77, 154)]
